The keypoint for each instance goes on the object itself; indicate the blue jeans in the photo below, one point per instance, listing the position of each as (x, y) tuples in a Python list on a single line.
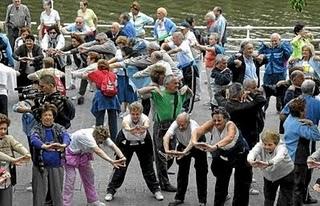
[(272, 79)]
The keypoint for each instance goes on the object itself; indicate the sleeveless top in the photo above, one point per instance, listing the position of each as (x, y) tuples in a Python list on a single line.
[(216, 136)]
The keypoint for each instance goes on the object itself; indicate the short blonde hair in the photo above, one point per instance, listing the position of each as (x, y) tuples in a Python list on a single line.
[(162, 10), (136, 106), (270, 135)]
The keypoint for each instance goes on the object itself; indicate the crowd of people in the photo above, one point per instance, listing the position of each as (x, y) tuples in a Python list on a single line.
[(132, 79)]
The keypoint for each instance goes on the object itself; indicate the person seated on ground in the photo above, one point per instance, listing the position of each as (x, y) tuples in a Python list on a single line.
[(79, 154), (9, 145), (135, 137), (271, 156)]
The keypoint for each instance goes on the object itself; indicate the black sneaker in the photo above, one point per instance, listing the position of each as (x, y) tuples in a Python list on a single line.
[(310, 201), (175, 202), (80, 100), (169, 188)]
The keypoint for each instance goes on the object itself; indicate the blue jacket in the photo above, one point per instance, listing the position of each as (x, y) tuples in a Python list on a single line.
[(277, 57), (169, 25), (297, 132), (128, 30), (8, 48), (314, 63)]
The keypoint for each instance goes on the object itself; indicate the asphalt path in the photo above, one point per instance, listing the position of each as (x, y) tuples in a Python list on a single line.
[(134, 190)]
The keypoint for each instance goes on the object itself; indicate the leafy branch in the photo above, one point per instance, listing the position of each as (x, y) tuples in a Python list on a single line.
[(298, 5)]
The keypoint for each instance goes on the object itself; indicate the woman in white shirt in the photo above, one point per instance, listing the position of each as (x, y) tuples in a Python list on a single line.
[(48, 18)]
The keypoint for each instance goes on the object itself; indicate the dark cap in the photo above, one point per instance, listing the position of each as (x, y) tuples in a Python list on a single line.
[(184, 25)]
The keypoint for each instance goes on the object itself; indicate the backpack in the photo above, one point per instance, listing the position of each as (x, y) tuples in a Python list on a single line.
[(109, 84)]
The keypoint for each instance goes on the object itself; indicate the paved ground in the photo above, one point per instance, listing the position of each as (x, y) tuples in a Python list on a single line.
[(134, 191)]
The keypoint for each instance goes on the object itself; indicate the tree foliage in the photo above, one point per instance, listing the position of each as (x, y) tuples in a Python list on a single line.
[(298, 5)]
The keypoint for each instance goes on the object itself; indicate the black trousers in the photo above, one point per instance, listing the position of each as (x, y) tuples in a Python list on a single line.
[(299, 190), (201, 167), (145, 155), (4, 104), (222, 170), (83, 87), (162, 163), (285, 194)]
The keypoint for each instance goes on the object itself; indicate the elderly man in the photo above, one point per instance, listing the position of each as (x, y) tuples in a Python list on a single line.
[(185, 58), (157, 59), (102, 45), (220, 25), (182, 128), (167, 105), (128, 29), (78, 27), (17, 16), (245, 65), (277, 54), (114, 32)]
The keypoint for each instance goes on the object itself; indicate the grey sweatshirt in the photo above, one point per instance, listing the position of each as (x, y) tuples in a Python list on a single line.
[(282, 163)]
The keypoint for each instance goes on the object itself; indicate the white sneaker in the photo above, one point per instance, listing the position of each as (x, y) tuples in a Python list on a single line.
[(108, 197), (96, 203), (74, 97), (29, 188), (254, 180), (158, 195), (253, 192)]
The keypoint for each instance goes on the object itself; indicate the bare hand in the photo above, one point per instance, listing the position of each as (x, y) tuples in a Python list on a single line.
[(4, 177), (313, 164), (119, 163), (260, 164), (237, 62), (205, 147), (306, 122)]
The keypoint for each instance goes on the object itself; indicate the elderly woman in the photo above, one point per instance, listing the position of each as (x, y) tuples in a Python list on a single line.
[(9, 145), (48, 141), (79, 155), (163, 27), (139, 19), (29, 55), (48, 17), (101, 102), (52, 42), (309, 63), (24, 31), (229, 150), (90, 18)]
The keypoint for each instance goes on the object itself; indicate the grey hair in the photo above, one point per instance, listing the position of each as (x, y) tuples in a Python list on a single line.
[(275, 34), (167, 79), (308, 87), (235, 90), (184, 115), (153, 46), (248, 82), (210, 15), (157, 55), (221, 57), (102, 35), (179, 35), (244, 44)]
